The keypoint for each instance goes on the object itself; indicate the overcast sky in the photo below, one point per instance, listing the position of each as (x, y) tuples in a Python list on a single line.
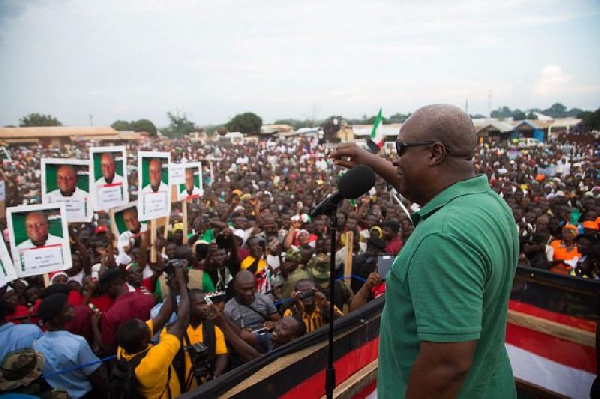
[(131, 59)]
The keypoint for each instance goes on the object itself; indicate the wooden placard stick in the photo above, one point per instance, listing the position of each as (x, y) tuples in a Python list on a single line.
[(165, 235), (348, 257), (46, 280), (185, 224), (113, 227), (153, 241)]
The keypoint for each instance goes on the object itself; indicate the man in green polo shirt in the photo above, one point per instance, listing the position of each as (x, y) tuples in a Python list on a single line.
[(444, 322)]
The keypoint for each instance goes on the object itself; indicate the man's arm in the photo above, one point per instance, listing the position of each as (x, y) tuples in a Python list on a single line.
[(183, 310), (164, 314), (220, 365), (440, 369), (362, 296), (245, 350), (349, 155)]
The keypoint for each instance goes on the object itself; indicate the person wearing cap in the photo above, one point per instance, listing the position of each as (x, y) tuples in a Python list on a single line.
[(564, 251), (63, 350), (15, 336), (127, 305), (20, 374), (443, 327)]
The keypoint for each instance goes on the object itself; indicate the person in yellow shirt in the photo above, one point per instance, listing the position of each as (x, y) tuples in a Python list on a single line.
[(310, 305), (214, 363), (155, 375), (254, 262)]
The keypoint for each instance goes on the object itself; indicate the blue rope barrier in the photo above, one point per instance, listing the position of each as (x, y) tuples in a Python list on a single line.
[(80, 367)]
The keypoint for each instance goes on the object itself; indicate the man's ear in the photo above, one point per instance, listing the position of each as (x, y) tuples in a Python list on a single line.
[(436, 154)]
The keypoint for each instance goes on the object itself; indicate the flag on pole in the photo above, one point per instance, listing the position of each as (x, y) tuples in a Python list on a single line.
[(376, 134)]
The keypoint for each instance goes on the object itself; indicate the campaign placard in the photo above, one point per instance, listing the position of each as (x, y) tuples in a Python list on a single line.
[(68, 181), (39, 238), (154, 196), (191, 187), (7, 270), (108, 183)]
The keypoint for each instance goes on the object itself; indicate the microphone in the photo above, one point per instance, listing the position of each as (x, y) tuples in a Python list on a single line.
[(352, 185)]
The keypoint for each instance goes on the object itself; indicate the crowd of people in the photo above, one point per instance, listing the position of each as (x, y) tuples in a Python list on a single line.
[(251, 270)]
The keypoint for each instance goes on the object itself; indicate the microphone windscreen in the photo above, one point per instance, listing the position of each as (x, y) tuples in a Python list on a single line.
[(356, 182)]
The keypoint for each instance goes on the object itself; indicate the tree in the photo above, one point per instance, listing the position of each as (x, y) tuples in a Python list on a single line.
[(144, 125), (398, 118), (556, 110), (179, 126), (141, 126), (122, 126), (248, 123), (591, 120), (36, 119), (519, 115)]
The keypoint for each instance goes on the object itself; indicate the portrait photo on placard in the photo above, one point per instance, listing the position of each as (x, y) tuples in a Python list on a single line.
[(39, 239), (68, 181), (7, 270), (128, 227), (192, 185), (109, 186), (154, 198)]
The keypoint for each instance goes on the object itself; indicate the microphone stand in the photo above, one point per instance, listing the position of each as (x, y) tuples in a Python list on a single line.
[(330, 373)]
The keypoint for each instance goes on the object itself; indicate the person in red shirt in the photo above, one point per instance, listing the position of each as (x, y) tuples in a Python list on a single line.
[(390, 235), (127, 305)]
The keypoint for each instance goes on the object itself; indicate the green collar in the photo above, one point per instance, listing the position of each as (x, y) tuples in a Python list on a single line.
[(477, 184)]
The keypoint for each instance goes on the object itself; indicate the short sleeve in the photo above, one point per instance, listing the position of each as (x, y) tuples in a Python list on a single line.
[(86, 356), (221, 346), (446, 283), (269, 305)]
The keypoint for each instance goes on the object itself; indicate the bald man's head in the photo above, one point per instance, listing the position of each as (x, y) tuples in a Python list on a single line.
[(66, 180), (244, 285), (36, 225), (447, 124)]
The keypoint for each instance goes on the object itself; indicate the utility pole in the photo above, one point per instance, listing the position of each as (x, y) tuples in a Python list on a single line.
[(490, 104), (91, 120)]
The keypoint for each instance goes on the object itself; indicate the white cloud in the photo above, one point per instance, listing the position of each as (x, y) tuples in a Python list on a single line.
[(552, 80)]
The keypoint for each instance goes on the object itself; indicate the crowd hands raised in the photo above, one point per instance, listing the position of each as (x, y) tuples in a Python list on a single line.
[(252, 272)]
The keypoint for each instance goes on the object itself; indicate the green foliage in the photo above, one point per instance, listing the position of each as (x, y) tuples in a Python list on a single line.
[(36, 119), (556, 111), (591, 120), (179, 126), (140, 126), (519, 115), (398, 118), (248, 123), (531, 116)]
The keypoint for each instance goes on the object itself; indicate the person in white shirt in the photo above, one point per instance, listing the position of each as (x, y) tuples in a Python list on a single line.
[(36, 225), (155, 172), (127, 238), (66, 180), (190, 189), (109, 175)]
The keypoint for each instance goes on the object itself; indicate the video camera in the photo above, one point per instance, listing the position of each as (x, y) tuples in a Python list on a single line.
[(199, 357), (174, 263)]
